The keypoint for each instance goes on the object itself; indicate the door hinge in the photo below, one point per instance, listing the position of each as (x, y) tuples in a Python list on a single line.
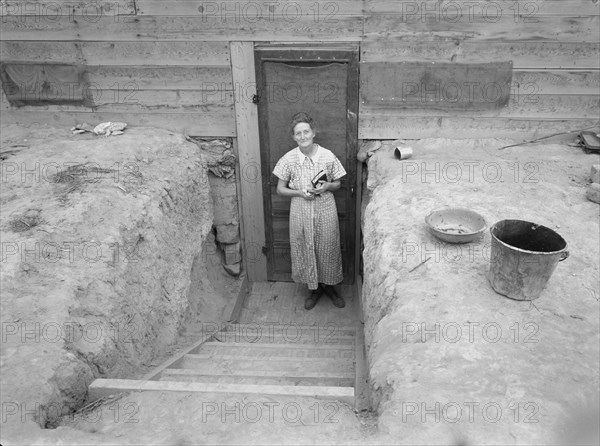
[(255, 99), (265, 250)]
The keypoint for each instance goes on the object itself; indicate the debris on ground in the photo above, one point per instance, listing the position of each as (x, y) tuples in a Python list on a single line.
[(593, 190), (104, 128), (542, 138), (367, 149), (220, 159), (589, 141)]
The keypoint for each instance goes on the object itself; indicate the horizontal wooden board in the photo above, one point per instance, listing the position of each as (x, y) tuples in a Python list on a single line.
[(157, 28), (120, 95), (250, 10), (385, 126), (546, 28), (525, 55), (118, 53), (523, 106), (129, 99), (41, 52), (82, 10), (213, 79), (139, 101), (441, 86), (194, 124), (536, 82), (530, 83), (519, 10), (156, 53)]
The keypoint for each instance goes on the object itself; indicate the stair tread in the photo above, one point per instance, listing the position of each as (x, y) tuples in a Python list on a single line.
[(325, 326), (244, 354), (264, 373), (282, 379), (226, 364), (103, 387), (279, 338), (293, 346)]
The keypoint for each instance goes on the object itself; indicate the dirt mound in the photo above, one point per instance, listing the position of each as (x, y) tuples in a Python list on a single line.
[(450, 360), (99, 238)]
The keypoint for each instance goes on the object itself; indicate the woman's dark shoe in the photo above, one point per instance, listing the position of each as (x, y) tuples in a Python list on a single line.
[(337, 300), (314, 297)]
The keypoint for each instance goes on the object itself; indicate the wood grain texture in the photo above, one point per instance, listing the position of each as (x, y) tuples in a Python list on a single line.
[(196, 124), (85, 10), (246, 118), (41, 52), (530, 82), (430, 85), (545, 28), (156, 53), (214, 79), (159, 28), (393, 127), (164, 101), (519, 10), (118, 53), (527, 106), (525, 55), (251, 10)]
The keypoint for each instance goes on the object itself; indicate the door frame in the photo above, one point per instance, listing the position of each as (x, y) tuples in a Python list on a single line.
[(345, 53)]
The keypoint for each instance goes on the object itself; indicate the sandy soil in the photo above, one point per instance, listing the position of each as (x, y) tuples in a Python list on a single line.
[(105, 249), (450, 359), (540, 369)]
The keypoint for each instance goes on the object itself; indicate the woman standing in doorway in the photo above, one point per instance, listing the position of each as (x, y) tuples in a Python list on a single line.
[(309, 174)]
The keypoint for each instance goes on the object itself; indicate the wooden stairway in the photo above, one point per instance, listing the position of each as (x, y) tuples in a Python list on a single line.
[(315, 357)]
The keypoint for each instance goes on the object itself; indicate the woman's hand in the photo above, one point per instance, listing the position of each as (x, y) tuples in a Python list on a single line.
[(323, 186), (307, 194)]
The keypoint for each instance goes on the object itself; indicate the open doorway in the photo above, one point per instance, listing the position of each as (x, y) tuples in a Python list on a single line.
[(323, 83)]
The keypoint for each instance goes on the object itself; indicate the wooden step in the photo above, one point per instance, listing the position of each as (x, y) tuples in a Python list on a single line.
[(257, 337), (225, 364), (341, 379), (104, 387), (323, 316), (289, 303), (276, 351), (319, 332)]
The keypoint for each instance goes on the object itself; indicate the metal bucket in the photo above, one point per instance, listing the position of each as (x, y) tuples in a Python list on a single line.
[(523, 257)]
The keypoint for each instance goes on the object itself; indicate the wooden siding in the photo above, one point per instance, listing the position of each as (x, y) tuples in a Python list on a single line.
[(553, 45), (182, 86), (167, 62)]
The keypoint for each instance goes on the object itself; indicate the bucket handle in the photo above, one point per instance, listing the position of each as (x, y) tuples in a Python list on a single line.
[(564, 256)]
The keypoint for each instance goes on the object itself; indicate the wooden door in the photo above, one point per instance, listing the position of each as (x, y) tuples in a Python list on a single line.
[(323, 84)]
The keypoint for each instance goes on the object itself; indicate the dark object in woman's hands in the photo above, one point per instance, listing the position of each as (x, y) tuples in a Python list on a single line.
[(320, 177)]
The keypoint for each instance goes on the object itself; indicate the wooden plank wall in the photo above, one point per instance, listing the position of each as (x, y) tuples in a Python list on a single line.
[(182, 86), (553, 45), (166, 63), (163, 63)]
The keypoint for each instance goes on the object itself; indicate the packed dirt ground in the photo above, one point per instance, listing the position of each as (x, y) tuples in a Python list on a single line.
[(541, 370), (107, 254), (449, 358)]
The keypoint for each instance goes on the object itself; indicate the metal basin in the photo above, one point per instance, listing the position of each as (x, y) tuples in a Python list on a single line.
[(455, 225)]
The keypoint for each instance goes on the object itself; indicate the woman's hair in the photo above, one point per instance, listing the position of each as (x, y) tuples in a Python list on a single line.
[(302, 117)]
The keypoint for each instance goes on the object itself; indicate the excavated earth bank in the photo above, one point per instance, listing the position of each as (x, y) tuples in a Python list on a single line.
[(451, 361), (100, 237)]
